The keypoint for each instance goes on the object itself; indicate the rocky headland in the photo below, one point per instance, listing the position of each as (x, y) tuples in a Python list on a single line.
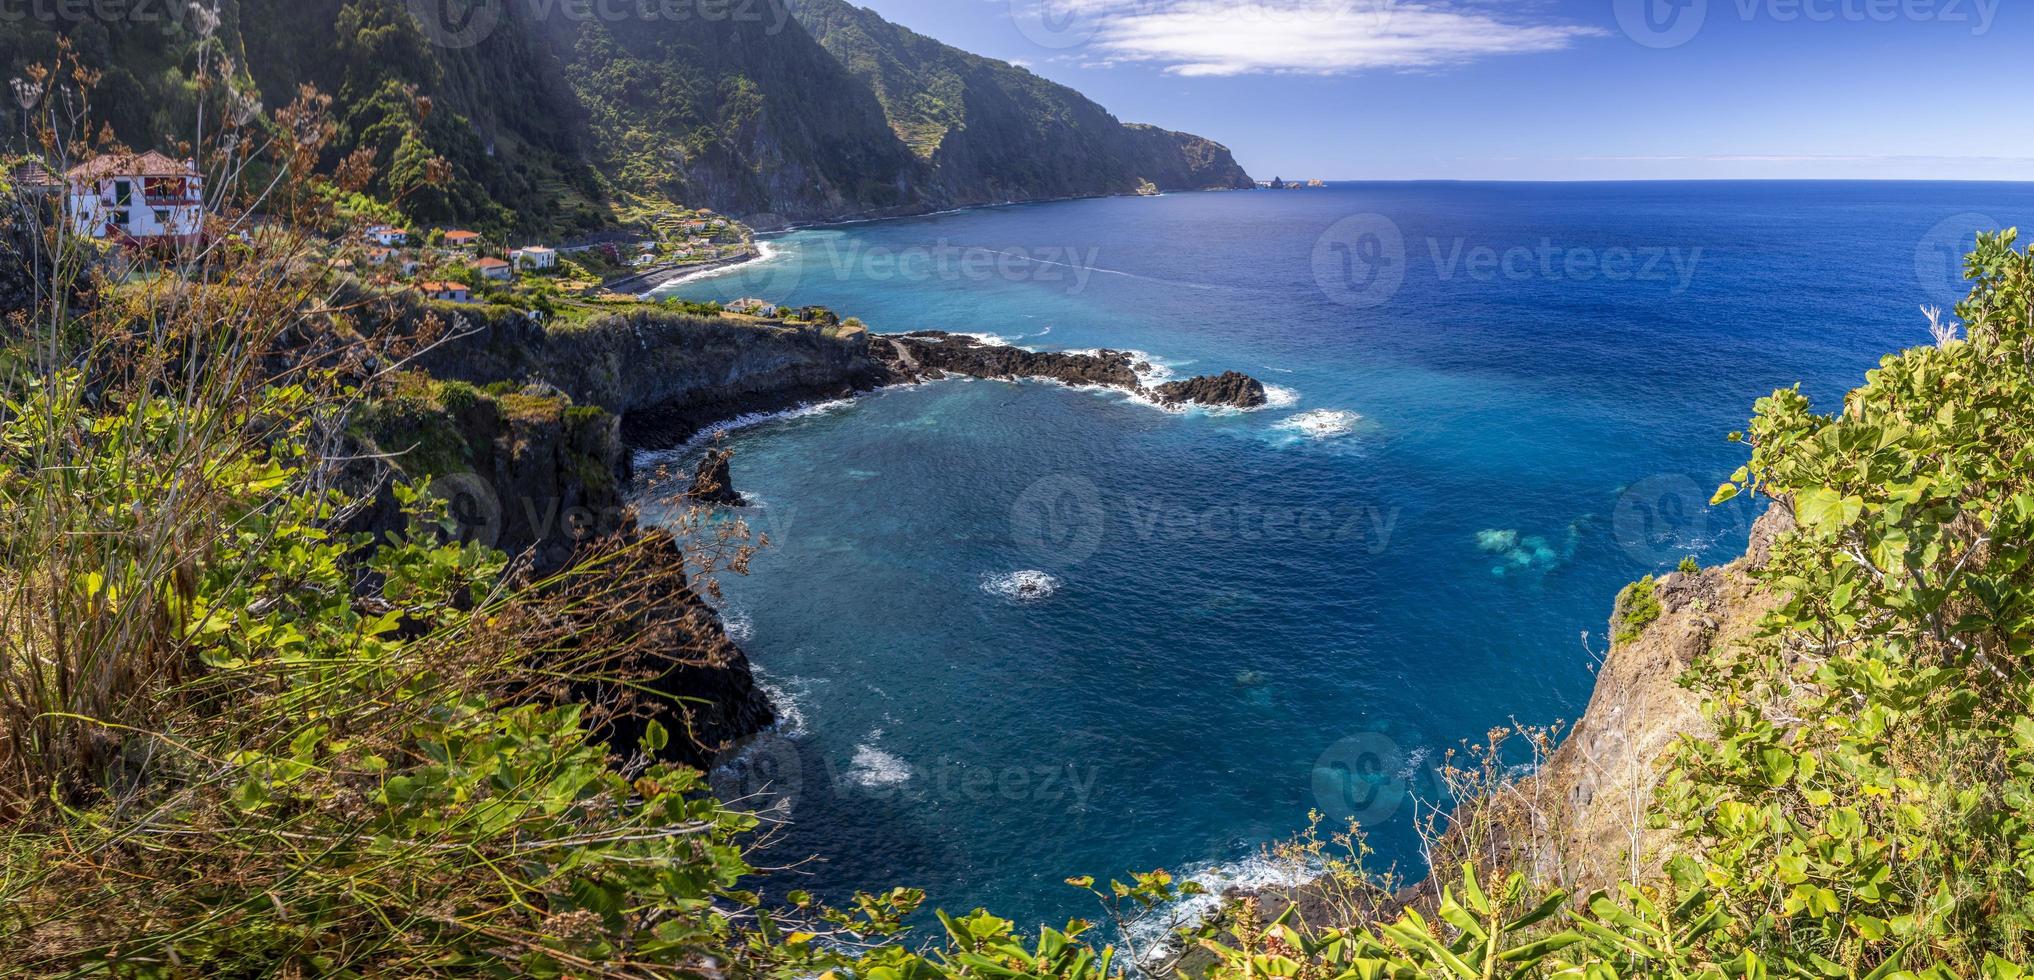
[(931, 354)]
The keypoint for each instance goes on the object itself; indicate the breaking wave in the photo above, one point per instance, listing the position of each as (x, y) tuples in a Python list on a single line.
[(1024, 586), (1322, 423)]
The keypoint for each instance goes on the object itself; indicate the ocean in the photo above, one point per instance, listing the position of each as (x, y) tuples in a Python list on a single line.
[(1022, 632)]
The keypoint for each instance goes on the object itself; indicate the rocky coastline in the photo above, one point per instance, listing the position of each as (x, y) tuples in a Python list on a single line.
[(654, 380), (932, 354), (543, 459)]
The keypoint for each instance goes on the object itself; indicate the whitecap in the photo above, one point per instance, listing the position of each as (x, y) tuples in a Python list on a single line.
[(1025, 586), (788, 697), (1279, 396), (738, 624), (649, 461), (1256, 872), (1322, 423), (872, 767)]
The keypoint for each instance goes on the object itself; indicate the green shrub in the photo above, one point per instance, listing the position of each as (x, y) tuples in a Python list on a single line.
[(1638, 607)]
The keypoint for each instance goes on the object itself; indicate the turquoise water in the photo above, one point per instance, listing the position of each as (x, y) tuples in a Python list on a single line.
[(1497, 405)]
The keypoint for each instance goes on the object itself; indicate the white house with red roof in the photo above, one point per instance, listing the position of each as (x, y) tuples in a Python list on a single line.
[(449, 292), (143, 199), (496, 269)]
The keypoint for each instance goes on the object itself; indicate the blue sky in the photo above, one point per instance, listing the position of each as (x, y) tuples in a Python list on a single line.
[(1542, 89)]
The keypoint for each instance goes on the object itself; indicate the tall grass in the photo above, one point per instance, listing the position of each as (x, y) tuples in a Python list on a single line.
[(236, 741)]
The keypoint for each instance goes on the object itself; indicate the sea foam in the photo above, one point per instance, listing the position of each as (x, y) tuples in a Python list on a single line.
[(1252, 873), (872, 767), (1025, 586), (1322, 423)]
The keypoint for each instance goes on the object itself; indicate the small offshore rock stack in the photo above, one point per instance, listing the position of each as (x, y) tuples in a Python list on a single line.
[(713, 483), (1232, 389)]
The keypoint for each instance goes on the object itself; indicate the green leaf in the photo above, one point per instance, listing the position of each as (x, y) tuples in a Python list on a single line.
[(655, 738), (1778, 765)]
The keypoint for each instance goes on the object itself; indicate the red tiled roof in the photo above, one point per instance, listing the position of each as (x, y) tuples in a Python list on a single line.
[(490, 263), (150, 164), (442, 287), (461, 235), (33, 176)]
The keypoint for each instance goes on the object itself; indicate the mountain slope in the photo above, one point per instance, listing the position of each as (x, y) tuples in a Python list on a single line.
[(554, 123), (992, 131)]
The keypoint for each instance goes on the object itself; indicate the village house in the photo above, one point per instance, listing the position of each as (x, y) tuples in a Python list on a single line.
[(459, 238), (450, 292), (380, 256), (388, 235), (753, 307), (495, 269), (535, 257), (30, 176), (140, 199)]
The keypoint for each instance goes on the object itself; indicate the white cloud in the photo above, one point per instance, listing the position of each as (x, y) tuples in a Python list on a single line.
[(1325, 37)]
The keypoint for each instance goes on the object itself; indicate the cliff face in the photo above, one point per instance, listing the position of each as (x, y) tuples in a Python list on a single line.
[(990, 131), (1594, 791), (666, 374), (531, 473)]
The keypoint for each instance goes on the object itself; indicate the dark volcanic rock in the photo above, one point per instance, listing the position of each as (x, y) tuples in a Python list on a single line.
[(713, 484), (931, 354), (543, 478), (1230, 388), (685, 673)]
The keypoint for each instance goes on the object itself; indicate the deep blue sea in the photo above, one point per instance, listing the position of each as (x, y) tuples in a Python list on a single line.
[(1022, 632)]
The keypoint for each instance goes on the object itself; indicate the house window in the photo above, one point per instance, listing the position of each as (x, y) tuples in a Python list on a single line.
[(162, 217), (120, 217), (123, 193)]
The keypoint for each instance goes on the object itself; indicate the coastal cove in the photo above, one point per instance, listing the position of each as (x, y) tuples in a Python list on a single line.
[(1134, 638)]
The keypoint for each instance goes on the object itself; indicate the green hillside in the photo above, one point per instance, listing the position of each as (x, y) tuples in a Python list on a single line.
[(993, 131), (555, 123)]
